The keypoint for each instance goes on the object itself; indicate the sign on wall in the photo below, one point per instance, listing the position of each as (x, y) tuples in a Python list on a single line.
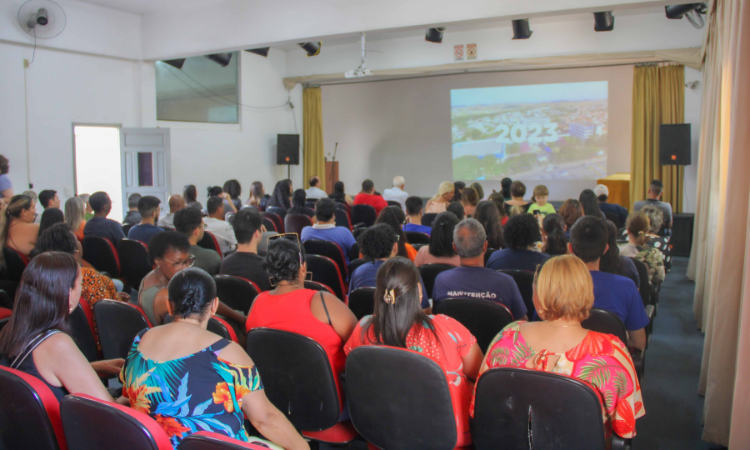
[(458, 52)]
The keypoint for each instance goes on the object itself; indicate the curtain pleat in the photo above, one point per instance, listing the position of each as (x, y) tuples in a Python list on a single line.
[(313, 153)]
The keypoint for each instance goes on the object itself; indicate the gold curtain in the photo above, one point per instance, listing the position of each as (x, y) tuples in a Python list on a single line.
[(658, 98), (313, 153)]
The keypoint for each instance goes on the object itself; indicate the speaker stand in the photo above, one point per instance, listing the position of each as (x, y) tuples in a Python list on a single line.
[(289, 171)]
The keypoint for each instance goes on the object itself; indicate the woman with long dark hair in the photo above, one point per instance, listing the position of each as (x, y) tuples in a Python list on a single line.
[(190, 193), (499, 201), (258, 196), (613, 262), (234, 190), (440, 250), (339, 194), (571, 210), (488, 215), (590, 204), (553, 235), (50, 216), (298, 204), (394, 217), (282, 194), (398, 321), (19, 231)]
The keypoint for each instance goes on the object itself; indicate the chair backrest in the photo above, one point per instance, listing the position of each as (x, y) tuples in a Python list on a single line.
[(488, 253), (297, 377), (101, 253), (92, 424), (220, 326), (417, 237), (606, 322), (394, 203), (483, 318), (378, 377), (15, 264), (206, 440), (269, 224), (209, 242), (364, 214), (82, 334), (355, 264), (118, 324), (329, 250), (133, 260), (644, 288), (5, 314), (362, 301), (126, 228), (429, 272), (281, 212), (614, 218), (342, 219), (229, 217), (354, 252), (428, 218), (278, 222), (235, 292), (29, 413), (525, 282), (294, 223), (311, 203), (532, 412), (314, 285), (6, 301), (325, 271)]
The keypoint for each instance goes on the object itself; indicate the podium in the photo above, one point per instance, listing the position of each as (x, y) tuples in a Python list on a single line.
[(332, 175), (619, 188)]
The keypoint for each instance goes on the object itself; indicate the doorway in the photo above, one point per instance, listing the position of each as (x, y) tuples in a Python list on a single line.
[(97, 163)]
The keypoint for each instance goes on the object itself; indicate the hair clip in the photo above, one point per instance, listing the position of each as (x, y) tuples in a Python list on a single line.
[(390, 297)]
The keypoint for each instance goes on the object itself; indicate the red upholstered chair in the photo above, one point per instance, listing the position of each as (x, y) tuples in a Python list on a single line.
[(209, 242), (429, 273), (93, 424), (294, 223), (5, 314), (15, 263), (483, 318), (314, 285), (342, 219), (118, 324), (330, 250), (82, 333), (236, 292), (276, 219), (364, 214), (361, 301), (269, 224), (205, 440), (220, 326), (101, 253), (133, 261), (525, 282), (29, 413), (325, 271)]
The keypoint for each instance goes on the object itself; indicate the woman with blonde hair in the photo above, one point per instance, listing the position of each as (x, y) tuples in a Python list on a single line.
[(19, 231), (439, 203), (638, 227), (75, 210), (563, 297)]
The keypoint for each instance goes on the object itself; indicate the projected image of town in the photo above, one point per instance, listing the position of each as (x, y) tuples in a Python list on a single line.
[(534, 132)]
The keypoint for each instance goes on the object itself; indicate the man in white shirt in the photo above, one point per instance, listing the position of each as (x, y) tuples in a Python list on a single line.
[(397, 193), (176, 203), (315, 193), (215, 223)]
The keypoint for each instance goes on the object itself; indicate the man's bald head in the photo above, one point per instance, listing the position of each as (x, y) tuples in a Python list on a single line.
[(176, 203)]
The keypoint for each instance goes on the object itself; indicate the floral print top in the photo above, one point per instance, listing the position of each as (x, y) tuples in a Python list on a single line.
[(95, 287), (601, 360), (651, 257)]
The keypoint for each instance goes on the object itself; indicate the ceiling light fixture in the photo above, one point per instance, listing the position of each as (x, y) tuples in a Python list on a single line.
[(311, 48), (434, 35), (604, 21), (521, 29)]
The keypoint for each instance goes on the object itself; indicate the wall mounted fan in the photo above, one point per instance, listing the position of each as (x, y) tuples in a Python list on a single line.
[(42, 19)]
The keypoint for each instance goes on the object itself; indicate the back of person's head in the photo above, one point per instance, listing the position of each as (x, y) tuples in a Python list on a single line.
[(57, 238), (571, 210), (31, 194), (42, 301), (338, 187), (75, 211), (50, 216), (18, 204), (99, 202), (564, 289), (133, 200), (148, 205), (444, 188), (488, 215), (187, 220), (4, 165), (656, 187), (470, 197), (45, 197), (602, 192), (457, 208), (191, 293), (590, 203), (554, 228), (638, 226), (480, 190), (398, 181), (233, 188), (325, 209), (441, 236), (377, 242), (499, 201), (190, 193), (298, 198), (610, 261), (368, 186), (655, 218), (414, 205), (469, 237), (283, 260), (256, 190), (176, 203), (213, 204), (588, 237), (517, 189), (214, 191), (395, 218), (281, 194), (458, 187), (522, 231), (84, 197), (313, 181), (246, 223), (162, 243), (505, 184), (541, 190)]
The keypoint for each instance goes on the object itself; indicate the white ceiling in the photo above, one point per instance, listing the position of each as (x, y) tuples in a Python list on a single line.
[(147, 6)]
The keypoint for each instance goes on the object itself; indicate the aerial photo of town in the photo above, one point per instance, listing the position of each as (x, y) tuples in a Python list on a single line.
[(536, 132)]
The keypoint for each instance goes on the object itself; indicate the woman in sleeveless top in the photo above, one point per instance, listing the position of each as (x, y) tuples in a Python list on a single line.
[(36, 339), (439, 203), (19, 231), (290, 307), (189, 379)]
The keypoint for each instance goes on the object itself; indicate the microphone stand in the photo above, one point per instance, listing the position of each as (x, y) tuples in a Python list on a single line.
[(335, 149)]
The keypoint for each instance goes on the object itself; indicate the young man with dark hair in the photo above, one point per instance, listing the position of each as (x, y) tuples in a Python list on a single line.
[(521, 235), (133, 217), (457, 208), (602, 194), (189, 221), (414, 216), (245, 263), (148, 208), (368, 197), (654, 199), (315, 192), (614, 293), (216, 225), (325, 229), (99, 225), (49, 199)]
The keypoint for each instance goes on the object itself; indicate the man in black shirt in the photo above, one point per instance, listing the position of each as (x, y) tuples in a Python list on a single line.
[(245, 262), (99, 225)]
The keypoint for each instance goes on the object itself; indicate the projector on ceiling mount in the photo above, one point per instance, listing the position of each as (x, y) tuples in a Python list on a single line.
[(362, 70)]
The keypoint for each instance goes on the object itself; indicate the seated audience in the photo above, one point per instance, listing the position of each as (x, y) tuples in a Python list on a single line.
[(282, 194), (559, 344), (182, 363), (132, 217), (398, 322), (614, 293), (397, 193), (216, 225), (602, 194), (315, 192), (499, 201), (505, 184), (458, 190), (32, 195), (148, 209), (638, 227), (190, 194), (6, 186), (290, 307), (541, 194), (258, 196), (339, 194), (176, 203), (75, 211), (36, 340), (50, 216), (590, 204), (217, 191), (488, 215), (440, 250), (517, 204), (233, 190), (472, 279), (414, 216), (376, 245), (325, 229), (480, 190), (661, 243), (522, 234), (469, 200), (653, 197), (395, 218), (245, 262), (19, 231), (89, 210), (613, 262), (368, 197), (49, 199), (99, 225), (571, 210), (439, 203), (298, 204), (457, 208), (189, 222), (553, 235)]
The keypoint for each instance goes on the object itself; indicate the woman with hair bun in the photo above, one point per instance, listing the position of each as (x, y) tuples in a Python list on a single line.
[(188, 379), (553, 235), (17, 228), (638, 227), (440, 250), (398, 321)]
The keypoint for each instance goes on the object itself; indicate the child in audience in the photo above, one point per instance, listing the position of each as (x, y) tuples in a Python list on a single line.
[(541, 193)]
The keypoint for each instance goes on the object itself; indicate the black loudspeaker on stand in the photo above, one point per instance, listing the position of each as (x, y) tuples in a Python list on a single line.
[(674, 144), (287, 151)]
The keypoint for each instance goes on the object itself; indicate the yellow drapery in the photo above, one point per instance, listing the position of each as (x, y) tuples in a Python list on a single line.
[(658, 98), (313, 153)]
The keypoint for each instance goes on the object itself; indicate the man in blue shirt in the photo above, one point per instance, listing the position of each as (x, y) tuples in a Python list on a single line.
[(414, 216), (148, 208), (614, 293), (326, 229), (521, 235), (377, 244), (99, 225)]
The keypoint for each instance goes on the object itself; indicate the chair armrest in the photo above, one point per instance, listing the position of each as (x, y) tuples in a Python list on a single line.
[(619, 443), (650, 309), (359, 225), (639, 361)]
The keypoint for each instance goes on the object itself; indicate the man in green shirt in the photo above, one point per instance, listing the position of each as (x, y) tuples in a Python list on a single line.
[(189, 221)]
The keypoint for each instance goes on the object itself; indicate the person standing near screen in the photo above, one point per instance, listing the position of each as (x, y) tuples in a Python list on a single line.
[(6, 187)]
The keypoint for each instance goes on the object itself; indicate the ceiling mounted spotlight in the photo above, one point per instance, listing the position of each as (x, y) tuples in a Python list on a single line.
[(604, 21), (177, 63), (521, 29), (692, 11), (263, 51), (434, 35), (221, 59), (312, 48)]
